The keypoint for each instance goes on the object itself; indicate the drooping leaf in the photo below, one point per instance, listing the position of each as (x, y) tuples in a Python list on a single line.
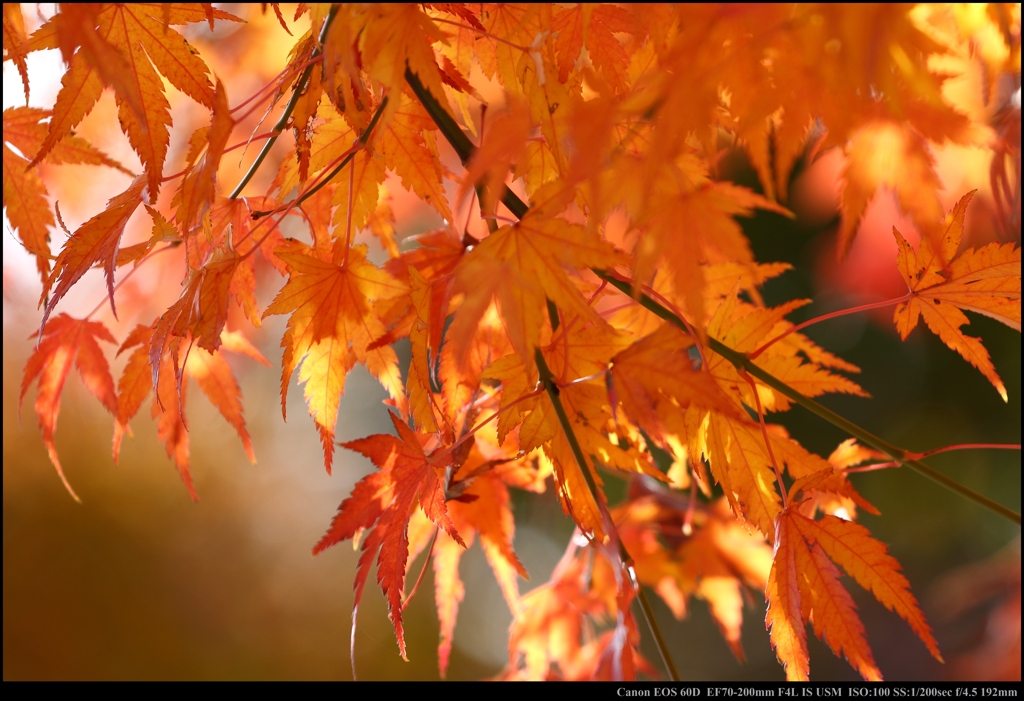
[(25, 203), (804, 587), (383, 502), (65, 342), (199, 187), (96, 241), (15, 40), (24, 191), (210, 370), (707, 554)]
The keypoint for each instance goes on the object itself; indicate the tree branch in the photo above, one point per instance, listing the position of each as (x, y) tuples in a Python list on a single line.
[(547, 379), (464, 147), (300, 87)]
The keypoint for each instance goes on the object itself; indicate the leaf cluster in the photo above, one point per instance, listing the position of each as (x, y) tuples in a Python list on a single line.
[(589, 311)]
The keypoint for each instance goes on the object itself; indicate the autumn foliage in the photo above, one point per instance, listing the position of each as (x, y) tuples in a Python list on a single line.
[(590, 309)]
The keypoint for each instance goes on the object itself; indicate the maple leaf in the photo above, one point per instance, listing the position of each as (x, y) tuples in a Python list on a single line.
[(198, 188), (504, 143), (593, 26), (24, 191), (96, 241), (136, 37), (383, 501), (589, 421), (707, 554), (521, 266), (398, 36), (409, 147), (804, 586), (211, 372), (683, 195), (524, 364), (480, 508), (891, 154), (199, 314), (15, 41), (796, 360), (66, 342), (331, 327), (25, 202), (984, 280), (23, 127), (553, 634), (655, 381)]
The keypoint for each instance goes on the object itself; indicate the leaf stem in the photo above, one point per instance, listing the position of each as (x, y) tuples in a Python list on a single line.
[(767, 441), (426, 564), (469, 434), (825, 317), (964, 446), (300, 87), (131, 272), (652, 623), (363, 139)]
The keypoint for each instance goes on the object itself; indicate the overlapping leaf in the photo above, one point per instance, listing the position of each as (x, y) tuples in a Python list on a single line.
[(96, 241), (707, 554), (211, 372), (383, 502), (24, 191), (521, 266), (331, 327), (137, 36)]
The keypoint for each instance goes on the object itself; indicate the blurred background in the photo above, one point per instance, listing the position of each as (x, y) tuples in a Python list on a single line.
[(139, 582)]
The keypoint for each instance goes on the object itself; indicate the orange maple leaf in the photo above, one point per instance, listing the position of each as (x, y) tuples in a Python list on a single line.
[(409, 147), (15, 41), (135, 36), (796, 360), (984, 280), (803, 587), (25, 201), (687, 219), (593, 26), (890, 153), (383, 501), (553, 637), (96, 241), (478, 504), (655, 380), (521, 266), (24, 191), (198, 188), (213, 375), (708, 554), (66, 341)]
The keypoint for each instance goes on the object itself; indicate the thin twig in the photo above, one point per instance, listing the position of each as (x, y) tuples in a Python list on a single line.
[(824, 317), (300, 88)]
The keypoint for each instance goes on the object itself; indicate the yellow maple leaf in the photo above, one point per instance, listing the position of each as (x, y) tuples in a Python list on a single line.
[(331, 327)]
